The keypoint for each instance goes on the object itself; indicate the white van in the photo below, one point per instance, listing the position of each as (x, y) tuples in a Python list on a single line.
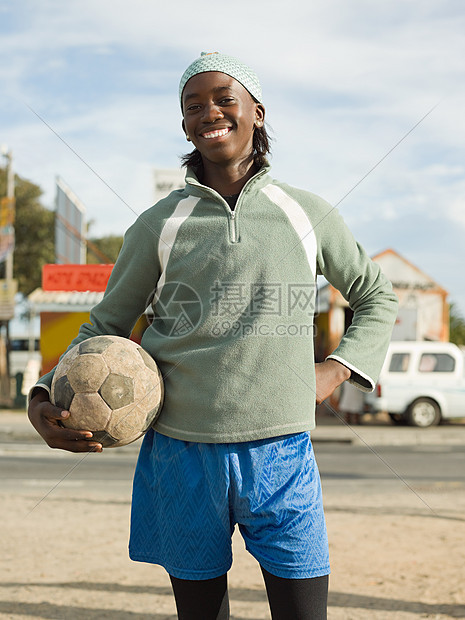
[(420, 383)]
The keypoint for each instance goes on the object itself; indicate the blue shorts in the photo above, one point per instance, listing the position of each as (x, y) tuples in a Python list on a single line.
[(187, 498)]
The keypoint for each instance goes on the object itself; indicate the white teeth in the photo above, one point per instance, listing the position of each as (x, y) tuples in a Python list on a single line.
[(216, 134)]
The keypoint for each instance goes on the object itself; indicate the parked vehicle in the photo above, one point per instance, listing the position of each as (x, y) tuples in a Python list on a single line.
[(23, 349), (421, 383)]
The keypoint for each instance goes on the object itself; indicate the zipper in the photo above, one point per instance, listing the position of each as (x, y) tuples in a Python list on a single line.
[(232, 226), (232, 214)]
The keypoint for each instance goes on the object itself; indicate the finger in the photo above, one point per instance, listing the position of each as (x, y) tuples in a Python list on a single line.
[(76, 445), (46, 423), (58, 436), (71, 434), (53, 412), (85, 446), (44, 413)]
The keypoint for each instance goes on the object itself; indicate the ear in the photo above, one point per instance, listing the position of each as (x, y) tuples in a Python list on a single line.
[(184, 130), (259, 115)]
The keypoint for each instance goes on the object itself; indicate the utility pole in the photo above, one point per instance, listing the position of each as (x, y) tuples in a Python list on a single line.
[(8, 285), (10, 194)]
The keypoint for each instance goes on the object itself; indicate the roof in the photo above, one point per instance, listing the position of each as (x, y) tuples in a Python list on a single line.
[(403, 273), (412, 277), (63, 301)]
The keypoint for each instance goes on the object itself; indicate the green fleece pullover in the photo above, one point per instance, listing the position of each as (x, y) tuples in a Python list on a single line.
[(233, 296)]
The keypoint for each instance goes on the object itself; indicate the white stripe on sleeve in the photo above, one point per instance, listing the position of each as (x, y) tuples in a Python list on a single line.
[(168, 236), (298, 219)]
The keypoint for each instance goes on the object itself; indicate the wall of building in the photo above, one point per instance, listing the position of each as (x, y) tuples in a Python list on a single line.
[(423, 308)]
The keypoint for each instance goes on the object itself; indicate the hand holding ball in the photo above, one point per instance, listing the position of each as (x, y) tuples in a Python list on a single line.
[(110, 386)]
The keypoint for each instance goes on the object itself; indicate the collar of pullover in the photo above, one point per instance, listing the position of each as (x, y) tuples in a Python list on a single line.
[(195, 188)]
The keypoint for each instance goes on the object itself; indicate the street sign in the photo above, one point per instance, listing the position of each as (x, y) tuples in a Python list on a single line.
[(70, 226), (8, 290)]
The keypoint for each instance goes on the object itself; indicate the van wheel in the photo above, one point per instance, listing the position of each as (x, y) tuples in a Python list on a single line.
[(424, 412)]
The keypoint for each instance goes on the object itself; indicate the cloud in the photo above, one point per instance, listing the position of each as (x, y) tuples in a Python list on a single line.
[(456, 210)]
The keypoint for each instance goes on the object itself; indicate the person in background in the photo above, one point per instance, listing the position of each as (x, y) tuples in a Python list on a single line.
[(351, 404)]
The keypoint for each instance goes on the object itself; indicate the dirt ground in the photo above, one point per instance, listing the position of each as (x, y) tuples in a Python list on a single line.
[(392, 558)]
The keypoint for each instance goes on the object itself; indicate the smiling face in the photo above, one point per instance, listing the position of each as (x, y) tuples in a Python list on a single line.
[(220, 117)]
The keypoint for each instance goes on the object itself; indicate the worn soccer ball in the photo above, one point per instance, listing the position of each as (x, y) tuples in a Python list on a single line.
[(110, 386)]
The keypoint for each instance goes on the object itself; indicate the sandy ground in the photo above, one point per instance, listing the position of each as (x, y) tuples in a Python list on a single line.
[(392, 558), (394, 555)]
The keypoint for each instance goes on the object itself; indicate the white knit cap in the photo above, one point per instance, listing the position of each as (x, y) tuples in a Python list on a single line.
[(224, 64)]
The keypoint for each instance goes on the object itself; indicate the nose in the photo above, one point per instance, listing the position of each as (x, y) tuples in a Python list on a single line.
[(211, 113)]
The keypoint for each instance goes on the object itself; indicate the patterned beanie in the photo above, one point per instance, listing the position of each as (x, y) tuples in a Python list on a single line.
[(224, 64)]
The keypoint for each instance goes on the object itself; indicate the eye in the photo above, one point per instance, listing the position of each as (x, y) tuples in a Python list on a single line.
[(227, 100)]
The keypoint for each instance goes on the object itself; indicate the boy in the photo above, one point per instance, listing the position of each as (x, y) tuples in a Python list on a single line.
[(232, 443)]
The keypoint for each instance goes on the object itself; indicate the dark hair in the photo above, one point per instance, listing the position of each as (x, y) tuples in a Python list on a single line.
[(260, 144)]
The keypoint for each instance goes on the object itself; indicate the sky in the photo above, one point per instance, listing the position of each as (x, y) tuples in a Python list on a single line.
[(364, 100)]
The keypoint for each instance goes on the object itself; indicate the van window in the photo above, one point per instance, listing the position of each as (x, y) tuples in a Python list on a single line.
[(399, 362), (436, 362)]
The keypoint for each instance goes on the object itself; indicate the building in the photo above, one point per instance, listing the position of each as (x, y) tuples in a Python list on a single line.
[(423, 307), (64, 301)]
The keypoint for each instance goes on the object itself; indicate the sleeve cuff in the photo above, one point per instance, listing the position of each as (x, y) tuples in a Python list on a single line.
[(34, 388), (358, 378)]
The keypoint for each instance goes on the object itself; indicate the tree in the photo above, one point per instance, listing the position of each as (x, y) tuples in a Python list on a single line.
[(456, 326), (34, 233), (105, 249)]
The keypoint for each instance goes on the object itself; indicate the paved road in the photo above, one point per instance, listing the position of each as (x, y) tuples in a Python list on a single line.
[(375, 431), (376, 456), (344, 468), (35, 466)]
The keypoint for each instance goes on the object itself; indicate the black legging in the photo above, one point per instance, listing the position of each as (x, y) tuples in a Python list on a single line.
[(296, 599)]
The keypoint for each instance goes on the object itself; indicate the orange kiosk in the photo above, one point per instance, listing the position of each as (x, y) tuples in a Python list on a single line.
[(67, 295)]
